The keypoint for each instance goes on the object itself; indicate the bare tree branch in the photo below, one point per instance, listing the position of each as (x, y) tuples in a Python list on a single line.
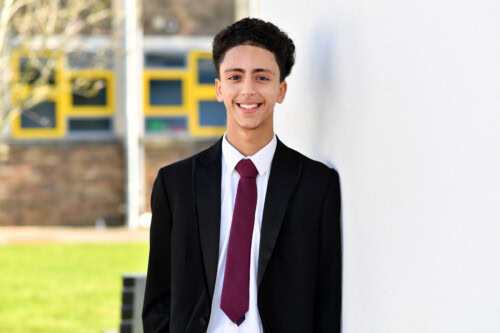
[(43, 31)]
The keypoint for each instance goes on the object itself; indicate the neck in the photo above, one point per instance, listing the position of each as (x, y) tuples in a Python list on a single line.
[(250, 142)]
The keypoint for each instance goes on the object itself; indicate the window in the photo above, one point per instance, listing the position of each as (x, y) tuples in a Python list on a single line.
[(92, 103), (212, 113), (165, 92), (91, 125), (42, 115), (169, 125), (206, 71), (30, 71), (165, 60), (66, 111), (91, 94)]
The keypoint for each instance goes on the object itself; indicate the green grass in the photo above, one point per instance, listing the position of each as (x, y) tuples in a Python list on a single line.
[(65, 288)]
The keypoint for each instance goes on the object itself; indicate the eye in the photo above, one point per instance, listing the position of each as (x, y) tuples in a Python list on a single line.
[(233, 77), (262, 78)]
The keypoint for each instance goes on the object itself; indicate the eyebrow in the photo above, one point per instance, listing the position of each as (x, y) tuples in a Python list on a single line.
[(257, 70)]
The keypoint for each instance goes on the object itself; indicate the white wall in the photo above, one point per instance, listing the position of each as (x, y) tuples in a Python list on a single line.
[(403, 97)]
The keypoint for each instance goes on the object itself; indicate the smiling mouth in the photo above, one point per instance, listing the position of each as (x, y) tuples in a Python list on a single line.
[(249, 106)]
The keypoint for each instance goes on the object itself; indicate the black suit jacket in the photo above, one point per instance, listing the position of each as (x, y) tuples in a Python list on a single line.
[(299, 267)]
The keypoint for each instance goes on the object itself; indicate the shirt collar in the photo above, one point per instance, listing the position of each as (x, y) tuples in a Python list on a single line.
[(262, 159)]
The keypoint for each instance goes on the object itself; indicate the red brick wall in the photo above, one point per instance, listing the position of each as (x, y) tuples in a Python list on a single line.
[(62, 184), (75, 183)]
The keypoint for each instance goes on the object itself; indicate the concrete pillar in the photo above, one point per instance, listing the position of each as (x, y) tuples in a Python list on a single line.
[(129, 68)]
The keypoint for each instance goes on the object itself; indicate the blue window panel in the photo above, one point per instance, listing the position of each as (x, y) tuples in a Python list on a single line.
[(206, 71), (168, 60), (31, 73), (166, 124), (165, 92), (212, 113), (89, 124), (99, 99), (42, 115)]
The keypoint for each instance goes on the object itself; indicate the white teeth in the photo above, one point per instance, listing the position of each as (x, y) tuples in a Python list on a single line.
[(248, 106)]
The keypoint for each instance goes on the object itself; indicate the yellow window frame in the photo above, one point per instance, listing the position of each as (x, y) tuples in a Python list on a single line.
[(89, 110), (167, 74), (193, 58), (201, 92), (54, 93), (18, 54), (56, 132)]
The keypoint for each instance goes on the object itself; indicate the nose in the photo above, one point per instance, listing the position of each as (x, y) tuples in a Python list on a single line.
[(248, 86)]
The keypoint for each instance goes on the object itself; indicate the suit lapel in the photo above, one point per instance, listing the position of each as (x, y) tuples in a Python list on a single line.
[(285, 172), (207, 188)]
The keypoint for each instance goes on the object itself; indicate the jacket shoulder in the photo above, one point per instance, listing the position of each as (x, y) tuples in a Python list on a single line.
[(313, 168), (178, 167)]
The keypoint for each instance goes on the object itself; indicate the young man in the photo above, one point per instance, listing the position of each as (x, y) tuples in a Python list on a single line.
[(245, 236)]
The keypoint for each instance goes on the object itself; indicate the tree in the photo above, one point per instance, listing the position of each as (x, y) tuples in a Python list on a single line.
[(35, 36)]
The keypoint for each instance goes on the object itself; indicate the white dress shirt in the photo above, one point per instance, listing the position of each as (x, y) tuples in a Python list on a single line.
[(219, 322)]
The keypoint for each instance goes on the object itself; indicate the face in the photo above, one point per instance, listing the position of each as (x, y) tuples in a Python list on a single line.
[(250, 86)]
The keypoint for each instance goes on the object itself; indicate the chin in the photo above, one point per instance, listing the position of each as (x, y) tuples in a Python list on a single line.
[(249, 127)]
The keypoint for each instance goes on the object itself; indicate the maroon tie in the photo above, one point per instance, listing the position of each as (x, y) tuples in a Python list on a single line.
[(235, 289)]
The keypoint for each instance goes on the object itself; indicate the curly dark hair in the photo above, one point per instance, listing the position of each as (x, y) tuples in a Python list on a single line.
[(255, 32)]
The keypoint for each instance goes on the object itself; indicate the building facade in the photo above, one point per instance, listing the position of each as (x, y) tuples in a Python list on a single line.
[(66, 164)]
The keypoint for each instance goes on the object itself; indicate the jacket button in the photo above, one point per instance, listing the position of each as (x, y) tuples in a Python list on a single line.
[(203, 321)]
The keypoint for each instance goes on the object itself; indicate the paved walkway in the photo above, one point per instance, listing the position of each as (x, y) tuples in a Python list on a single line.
[(36, 235)]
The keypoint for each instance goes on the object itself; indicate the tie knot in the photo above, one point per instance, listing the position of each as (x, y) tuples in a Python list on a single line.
[(246, 169)]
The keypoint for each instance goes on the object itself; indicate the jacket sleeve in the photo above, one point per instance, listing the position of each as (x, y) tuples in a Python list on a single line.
[(329, 292), (156, 308)]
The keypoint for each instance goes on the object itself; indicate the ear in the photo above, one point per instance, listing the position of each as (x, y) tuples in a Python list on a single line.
[(218, 90), (282, 92)]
